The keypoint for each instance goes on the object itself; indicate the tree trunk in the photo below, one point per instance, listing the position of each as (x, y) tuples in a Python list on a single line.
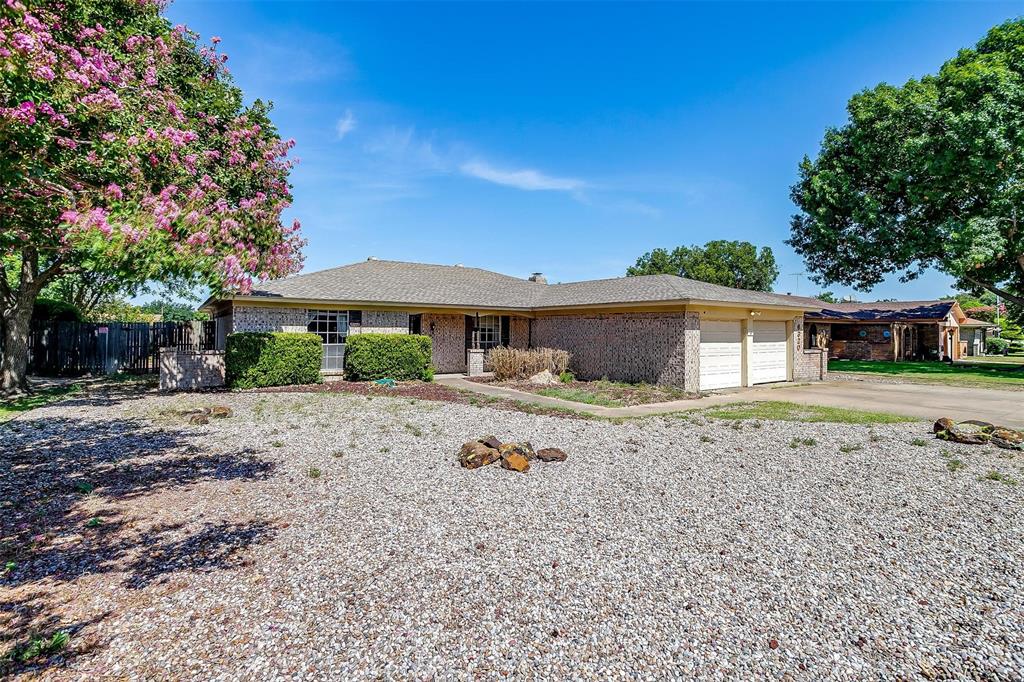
[(14, 366), (16, 309)]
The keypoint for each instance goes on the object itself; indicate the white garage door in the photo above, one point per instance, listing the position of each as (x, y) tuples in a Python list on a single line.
[(769, 354), (721, 355)]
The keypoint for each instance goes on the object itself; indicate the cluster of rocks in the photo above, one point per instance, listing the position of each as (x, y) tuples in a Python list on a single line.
[(514, 456), (974, 432), (203, 415)]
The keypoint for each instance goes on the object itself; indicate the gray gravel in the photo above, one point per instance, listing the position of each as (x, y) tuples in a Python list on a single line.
[(663, 547)]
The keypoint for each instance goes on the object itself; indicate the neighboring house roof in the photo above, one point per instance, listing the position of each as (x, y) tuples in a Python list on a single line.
[(971, 322), (396, 282), (889, 311)]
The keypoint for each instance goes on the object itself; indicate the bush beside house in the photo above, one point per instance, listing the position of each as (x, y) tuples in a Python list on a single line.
[(258, 359), (403, 357), (996, 346), (520, 363)]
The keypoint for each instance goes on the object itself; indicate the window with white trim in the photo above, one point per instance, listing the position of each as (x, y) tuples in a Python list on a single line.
[(332, 327)]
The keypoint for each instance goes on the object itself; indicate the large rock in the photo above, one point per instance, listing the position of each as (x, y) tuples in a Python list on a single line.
[(515, 462), (1007, 438), (544, 378), (551, 455), (220, 412), (491, 442), (974, 432), (475, 454), (524, 448)]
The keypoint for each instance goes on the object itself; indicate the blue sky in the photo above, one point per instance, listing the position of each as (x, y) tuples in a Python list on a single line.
[(567, 138)]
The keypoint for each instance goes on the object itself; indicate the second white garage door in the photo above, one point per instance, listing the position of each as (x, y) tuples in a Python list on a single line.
[(721, 355), (768, 362)]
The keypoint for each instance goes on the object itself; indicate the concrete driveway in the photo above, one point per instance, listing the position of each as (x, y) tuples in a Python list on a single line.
[(928, 401)]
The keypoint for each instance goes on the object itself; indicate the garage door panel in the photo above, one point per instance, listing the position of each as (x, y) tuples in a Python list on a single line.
[(768, 358), (721, 355)]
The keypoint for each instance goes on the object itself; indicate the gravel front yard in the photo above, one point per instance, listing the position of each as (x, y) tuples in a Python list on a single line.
[(332, 535)]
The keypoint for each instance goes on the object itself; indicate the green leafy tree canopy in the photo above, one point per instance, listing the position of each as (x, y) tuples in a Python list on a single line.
[(927, 174), (729, 263)]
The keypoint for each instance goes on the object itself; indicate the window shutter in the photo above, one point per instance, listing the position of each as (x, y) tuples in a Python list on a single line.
[(469, 331), (355, 318)]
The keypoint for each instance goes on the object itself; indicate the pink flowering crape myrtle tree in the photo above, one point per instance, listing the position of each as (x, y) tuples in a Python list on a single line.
[(127, 150)]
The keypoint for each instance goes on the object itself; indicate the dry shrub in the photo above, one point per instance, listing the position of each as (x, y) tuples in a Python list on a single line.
[(519, 363)]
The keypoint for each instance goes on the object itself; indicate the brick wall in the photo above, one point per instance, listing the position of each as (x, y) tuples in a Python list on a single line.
[(250, 318), (623, 347), (809, 364), (448, 333), (519, 332), (382, 322), (475, 361), (190, 370)]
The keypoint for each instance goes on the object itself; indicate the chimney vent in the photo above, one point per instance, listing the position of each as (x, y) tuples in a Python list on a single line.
[(539, 278), (372, 258)]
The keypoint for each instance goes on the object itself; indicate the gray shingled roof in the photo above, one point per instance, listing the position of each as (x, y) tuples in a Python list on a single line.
[(384, 281), (650, 288), (885, 311), (381, 281)]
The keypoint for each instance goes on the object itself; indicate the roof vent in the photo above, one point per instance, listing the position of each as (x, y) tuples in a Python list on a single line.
[(459, 265), (539, 278), (372, 258)]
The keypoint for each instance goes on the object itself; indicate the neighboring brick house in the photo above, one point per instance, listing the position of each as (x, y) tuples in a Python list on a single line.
[(895, 330), (657, 328)]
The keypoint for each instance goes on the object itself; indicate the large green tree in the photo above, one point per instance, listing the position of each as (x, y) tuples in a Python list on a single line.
[(729, 263), (927, 174), (128, 156)]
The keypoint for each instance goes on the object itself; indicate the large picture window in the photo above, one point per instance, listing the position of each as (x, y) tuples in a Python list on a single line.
[(332, 327)]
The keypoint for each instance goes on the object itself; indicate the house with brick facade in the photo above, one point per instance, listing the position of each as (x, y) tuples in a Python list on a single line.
[(896, 330), (657, 328)]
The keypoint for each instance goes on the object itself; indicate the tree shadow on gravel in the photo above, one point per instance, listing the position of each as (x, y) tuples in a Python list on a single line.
[(65, 489)]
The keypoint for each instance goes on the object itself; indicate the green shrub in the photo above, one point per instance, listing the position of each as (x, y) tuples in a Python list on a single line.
[(567, 377), (256, 359), (52, 310), (403, 357), (996, 346)]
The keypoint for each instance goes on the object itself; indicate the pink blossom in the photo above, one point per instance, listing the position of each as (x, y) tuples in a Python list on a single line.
[(23, 42)]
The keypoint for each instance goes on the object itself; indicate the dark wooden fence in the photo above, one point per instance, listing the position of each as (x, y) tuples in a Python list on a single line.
[(75, 348)]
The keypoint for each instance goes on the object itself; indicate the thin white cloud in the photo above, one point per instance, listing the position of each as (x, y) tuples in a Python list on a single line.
[(346, 124), (407, 150), (525, 179)]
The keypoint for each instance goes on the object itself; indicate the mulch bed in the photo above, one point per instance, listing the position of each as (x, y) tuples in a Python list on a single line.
[(424, 391)]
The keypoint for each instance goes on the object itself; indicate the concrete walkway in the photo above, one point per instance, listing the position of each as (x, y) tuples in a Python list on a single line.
[(913, 400)]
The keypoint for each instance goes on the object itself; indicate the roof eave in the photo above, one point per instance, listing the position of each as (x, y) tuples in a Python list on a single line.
[(353, 303)]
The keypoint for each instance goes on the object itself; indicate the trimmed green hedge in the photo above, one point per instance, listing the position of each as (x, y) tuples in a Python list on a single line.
[(256, 359), (403, 357)]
